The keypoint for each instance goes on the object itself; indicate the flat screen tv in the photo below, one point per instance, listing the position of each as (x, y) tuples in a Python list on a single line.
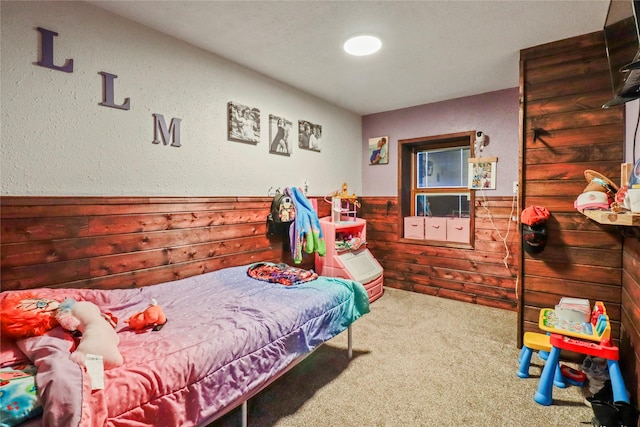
[(622, 38)]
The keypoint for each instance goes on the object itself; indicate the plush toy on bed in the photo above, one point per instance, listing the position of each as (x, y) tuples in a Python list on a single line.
[(24, 314), (152, 316), (98, 335)]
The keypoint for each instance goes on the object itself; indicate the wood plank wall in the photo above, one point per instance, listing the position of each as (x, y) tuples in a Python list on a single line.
[(630, 330), (563, 86), (121, 242), (476, 275), (116, 242)]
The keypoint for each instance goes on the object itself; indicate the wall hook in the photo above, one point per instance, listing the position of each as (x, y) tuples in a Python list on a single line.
[(272, 193), (537, 133)]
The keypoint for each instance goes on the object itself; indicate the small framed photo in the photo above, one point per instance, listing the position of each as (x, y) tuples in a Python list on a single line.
[(309, 135), (279, 135), (379, 150), (243, 123), (482, 173)]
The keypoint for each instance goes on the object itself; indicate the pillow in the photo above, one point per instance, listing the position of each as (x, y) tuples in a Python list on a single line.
[(24, 314), (18, 396), (10, 354)]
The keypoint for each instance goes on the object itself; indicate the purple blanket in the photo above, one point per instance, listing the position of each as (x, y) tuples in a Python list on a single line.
[(227, 335)]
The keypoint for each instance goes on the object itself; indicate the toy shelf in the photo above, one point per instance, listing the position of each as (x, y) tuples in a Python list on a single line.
[(347, 255), (612, 218)]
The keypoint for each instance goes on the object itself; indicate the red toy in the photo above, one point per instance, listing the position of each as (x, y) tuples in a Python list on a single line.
[(573, 376), (152, 316)]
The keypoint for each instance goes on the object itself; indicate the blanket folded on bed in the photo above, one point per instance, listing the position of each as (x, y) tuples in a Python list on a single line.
[(280, 273)]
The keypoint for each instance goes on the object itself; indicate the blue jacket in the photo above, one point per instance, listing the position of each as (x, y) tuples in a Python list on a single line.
[(305, 232)]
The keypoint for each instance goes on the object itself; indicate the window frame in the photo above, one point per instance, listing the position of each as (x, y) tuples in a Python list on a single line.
[(408, 181)]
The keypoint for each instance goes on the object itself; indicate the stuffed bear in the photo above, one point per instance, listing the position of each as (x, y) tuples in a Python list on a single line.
[(98, 336)]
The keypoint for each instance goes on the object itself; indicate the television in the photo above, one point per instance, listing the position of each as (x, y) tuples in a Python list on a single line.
[(622, 40)]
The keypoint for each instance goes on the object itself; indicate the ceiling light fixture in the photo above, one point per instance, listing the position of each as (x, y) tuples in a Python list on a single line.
[(362, 45)]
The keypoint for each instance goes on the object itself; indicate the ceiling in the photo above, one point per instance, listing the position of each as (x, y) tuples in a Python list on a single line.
[(432, 50)]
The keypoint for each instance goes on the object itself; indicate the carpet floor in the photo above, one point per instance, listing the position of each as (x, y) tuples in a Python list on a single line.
[(417, 360)]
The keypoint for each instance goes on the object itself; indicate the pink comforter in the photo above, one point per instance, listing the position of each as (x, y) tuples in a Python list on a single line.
[(227, 335)]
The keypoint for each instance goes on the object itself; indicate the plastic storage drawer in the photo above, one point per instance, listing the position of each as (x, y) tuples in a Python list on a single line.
[(435, 228), (414, 227), (458, 230)]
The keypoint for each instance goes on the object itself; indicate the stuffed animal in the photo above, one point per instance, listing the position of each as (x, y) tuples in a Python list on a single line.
[(67, 320), (24, 314), (152, 316), (98, 336)]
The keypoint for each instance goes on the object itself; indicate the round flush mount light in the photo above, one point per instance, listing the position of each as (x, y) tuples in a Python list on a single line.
[(362, 45)]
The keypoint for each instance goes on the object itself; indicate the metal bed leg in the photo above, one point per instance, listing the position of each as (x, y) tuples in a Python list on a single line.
[(244, 414), (349, 353)]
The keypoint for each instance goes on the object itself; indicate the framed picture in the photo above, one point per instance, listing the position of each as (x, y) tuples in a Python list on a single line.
[(379, 150), (279, 133), (309, 135), (482, 173), (243, 123)]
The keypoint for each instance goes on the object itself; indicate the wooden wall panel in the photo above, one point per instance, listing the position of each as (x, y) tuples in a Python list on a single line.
[(116, 242), (630, 331), (564, 85), (564, 131), (476, 275)]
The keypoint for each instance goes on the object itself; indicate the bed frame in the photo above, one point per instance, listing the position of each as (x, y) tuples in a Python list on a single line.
[(244, 409)]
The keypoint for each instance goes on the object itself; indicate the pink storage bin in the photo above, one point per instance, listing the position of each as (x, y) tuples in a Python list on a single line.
[(435, 228), (458, 230), (414, 227)]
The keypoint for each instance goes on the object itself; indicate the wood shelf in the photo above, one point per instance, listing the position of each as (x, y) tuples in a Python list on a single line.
[(613, 218)]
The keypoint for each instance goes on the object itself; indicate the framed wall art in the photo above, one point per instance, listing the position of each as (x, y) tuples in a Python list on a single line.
[(243, 123), (309, 135), (482, 173), (379, 150), (279, 135)]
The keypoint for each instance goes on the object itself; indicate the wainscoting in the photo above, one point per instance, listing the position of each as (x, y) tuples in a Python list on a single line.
[(630, 330), (123, 242), (476, 275)]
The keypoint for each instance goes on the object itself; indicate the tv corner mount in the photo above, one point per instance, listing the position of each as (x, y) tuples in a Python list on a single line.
[(631, 66)]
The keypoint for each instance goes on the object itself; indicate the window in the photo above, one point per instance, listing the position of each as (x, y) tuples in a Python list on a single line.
[(433, 194)]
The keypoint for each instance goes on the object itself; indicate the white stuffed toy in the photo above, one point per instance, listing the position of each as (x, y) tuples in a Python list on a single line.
[(98, 336)]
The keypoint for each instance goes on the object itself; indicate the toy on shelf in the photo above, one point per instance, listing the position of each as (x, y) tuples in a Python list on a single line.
[(348, 242), (343, 206)]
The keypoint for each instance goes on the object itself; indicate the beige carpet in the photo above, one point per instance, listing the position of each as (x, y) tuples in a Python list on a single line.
[(418, 361)]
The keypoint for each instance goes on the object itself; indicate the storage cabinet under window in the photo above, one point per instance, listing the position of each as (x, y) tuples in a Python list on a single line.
[(437, 229), (435, 201)]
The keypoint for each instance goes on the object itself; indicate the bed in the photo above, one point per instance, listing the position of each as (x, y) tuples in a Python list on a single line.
[(227, 336)]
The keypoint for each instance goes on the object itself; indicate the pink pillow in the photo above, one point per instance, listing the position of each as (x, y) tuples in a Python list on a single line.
[(10, 354)]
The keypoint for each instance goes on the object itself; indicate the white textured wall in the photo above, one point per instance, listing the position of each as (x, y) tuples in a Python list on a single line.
[(57, 140)]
